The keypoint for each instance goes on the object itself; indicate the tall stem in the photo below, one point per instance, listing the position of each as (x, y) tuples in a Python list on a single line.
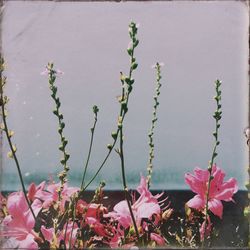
[(153, 122), (52, 74), (76, 198), (124, 99), (125, 188), (95, 110), (128, 82), (217, 117), (3, 101)]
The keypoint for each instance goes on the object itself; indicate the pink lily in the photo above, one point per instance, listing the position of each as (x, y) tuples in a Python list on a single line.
[(52, 196), (20, 222), (98, 227), (219, 190), (33, 190), (49, 233), (144, 207)]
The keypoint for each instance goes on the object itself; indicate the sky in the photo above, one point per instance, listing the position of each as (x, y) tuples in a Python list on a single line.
[(198, 42)]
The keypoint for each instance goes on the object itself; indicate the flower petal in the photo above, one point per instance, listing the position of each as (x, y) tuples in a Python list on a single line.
[(196, 202), (123, 214), (32, 191), (122, 208), (204, 233), (28, 243), (196, 184), (216, 207), (227, 190), (201, 174), (158, 239), (47, 233), (146, 210), (143, 185), (16, 204), (217, 181)]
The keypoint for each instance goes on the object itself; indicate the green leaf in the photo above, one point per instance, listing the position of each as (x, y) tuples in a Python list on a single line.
[(136, 43), (55, 112), (63, 161), (67, 156), (134, 66), (129, 50), (62, 125), (65, 142)]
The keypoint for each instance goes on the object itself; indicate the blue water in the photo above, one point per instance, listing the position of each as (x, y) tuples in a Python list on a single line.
[(161, 180)]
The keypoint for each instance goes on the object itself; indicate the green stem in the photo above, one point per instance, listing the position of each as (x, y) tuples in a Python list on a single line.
[(71, 233), (217, 117), (121, 154), (89, 152), (52, 78), (13, 151), (76, 198), (123, 108), (101, 166), (65, 233), (129, 82), (153, 122)]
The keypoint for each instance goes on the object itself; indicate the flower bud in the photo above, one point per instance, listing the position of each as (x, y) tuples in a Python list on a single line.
[(134, 65), (114, 135), (95, 109), (167, 214)]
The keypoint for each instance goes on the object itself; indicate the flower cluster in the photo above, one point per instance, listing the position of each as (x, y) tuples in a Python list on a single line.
[(220, 190), (94, 225)]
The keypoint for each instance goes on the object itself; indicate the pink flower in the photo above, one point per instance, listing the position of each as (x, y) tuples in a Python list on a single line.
[(81, 207), (219, 190), (92, 214), (47, 233), (204, 233), (154, 66), (95, 210), (20, 222), (52, 195), (98, 227), (115, 241), (146, 205), (33, 190), (47, 71), (158, 239), (67, 230)]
